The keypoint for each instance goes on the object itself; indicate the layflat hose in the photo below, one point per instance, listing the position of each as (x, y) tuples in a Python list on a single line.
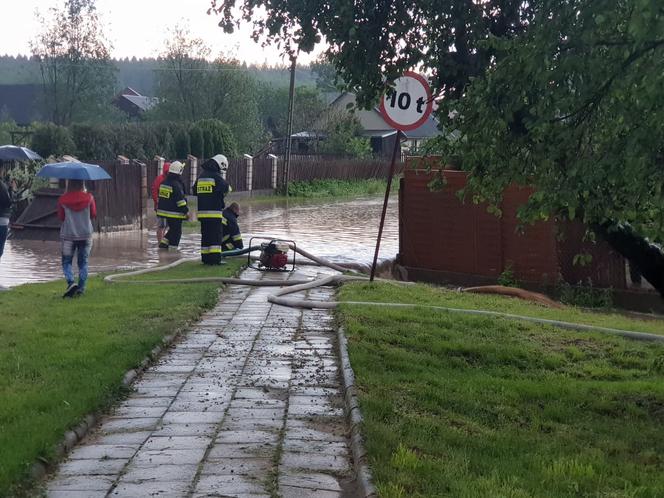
[(294, 286), (278, 298)]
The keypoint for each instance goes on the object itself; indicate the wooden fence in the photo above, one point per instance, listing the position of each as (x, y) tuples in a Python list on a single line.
[(121, 203), (317, 168), (303, 168), (121, 200)]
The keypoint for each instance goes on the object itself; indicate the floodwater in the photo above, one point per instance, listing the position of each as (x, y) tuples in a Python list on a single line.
[(342, 231)]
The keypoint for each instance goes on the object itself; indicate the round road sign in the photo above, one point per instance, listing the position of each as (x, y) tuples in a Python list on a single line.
[(408, 105)]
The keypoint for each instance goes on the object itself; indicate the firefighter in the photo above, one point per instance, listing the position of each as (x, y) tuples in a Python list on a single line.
[(210, 188), (232, 238), (161, 222), (172, 205)]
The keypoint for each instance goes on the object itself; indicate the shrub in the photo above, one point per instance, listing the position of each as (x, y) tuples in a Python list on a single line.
[(585, 295), (136, 140), (49, 139)]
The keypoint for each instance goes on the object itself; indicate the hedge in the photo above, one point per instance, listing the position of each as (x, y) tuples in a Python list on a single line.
[(136, 140)]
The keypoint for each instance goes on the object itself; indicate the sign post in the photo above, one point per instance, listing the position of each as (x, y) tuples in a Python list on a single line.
[(405, 107)]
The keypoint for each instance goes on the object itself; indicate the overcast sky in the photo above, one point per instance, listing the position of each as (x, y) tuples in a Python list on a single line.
[(137, 28)]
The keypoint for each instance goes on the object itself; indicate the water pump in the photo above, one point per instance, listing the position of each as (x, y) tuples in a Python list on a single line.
[(274, 255)]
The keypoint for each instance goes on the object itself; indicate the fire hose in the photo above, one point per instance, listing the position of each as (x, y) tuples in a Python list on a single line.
[(298, 285)]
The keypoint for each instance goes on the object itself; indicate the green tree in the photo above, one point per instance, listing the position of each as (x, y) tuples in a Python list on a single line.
[(182, 80), (192, 88), (342, 136), (563, 95), (49, 139), (78, 77), (372, 43), (273, 104), (326, 75)]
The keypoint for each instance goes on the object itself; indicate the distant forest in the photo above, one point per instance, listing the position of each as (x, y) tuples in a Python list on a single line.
[(139, 74)]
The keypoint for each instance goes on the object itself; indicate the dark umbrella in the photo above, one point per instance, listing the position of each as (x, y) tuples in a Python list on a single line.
[(15, 153), (74, 171)]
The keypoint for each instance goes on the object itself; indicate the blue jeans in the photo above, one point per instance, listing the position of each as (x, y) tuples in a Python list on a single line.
[(4, 230), (82, 249)]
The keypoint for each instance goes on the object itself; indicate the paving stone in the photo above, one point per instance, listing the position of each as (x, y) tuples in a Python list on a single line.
[(238, 466), (81, 483), (148, 401), (229, 485), (241, 450), (176, 443), (154, 392), (254, 424), (75, 494), (186, 430), (121, 438), (257, 412), (309, 410), (112, 425), (311, 481), (139, 411), (103, 451), (168, 457), (293, 492), (337, 448), (169, 489), (92, 467), (160, 473), (208, 417), (200, 405), (314, 461), (266, 437)]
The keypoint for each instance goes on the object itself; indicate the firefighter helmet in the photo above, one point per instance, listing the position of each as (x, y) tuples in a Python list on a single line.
[(221, 160), (176, 168)]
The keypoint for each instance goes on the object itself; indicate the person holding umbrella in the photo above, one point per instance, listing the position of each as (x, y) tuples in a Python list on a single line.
[(76, 210), (7, 188)]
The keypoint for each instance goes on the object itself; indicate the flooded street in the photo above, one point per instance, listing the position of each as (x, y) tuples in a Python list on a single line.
[(341, 231)]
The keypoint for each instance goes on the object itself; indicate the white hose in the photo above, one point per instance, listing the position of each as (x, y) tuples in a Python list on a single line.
[(294, 286)]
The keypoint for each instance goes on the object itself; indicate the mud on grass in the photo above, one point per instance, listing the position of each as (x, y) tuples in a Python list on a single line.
[(466, 406), (61, 359)]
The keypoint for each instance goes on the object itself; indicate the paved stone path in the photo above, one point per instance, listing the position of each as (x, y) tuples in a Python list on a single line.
[(248, 404)]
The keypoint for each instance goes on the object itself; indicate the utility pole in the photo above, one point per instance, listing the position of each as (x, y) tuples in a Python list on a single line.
[(289, 126)]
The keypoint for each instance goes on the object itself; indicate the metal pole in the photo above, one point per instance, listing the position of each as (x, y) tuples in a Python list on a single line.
[(289, 126), (397, 141)]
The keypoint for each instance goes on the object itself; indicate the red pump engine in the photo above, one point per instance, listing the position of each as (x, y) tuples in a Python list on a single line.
[(274, 255)]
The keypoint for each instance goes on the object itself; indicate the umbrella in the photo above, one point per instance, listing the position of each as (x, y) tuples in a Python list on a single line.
[(74, 171), (15, 153)]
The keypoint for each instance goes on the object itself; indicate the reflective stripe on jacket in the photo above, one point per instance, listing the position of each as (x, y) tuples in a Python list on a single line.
[(210, 189), (172, 201)]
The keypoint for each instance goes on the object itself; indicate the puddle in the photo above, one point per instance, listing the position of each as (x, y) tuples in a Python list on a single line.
[(343, 231)]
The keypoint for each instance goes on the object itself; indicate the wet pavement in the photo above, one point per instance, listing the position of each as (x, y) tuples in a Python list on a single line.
[(248, 404), (343, 231)]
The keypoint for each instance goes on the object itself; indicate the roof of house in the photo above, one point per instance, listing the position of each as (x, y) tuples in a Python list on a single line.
[(142, 102), (133, 103), (19, 102)]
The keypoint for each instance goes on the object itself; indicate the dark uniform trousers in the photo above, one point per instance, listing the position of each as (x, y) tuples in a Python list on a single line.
[(211, 241), (174, 233)]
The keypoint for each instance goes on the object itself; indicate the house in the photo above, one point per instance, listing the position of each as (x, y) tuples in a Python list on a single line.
[(19, 103), (133, 103), (376, 128)]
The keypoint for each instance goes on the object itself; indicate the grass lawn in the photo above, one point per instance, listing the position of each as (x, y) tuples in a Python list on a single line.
[(466, 406), (61, 359)]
